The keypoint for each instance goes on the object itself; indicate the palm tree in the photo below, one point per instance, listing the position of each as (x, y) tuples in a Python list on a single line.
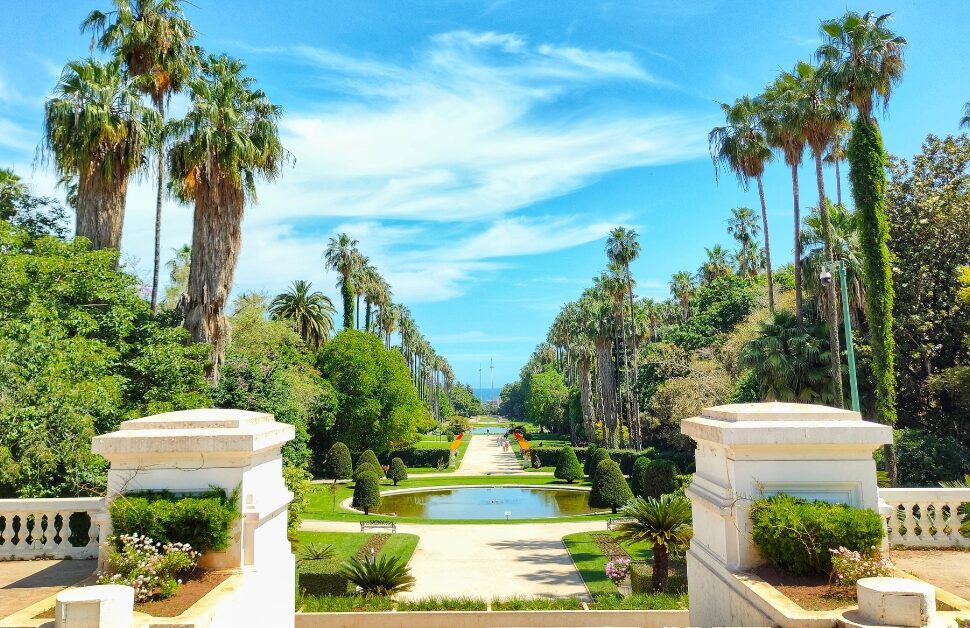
[(682, 289), (623, 248), (664, 523), (596, 308), (153, 39), (387, 320), (743, 228), (716, 265), (845, 243), (227, 139), (835, 156), (311, 312), (341, 256), (742, 146), (97, 129), (612, 285), (11, 189), (178, 279)]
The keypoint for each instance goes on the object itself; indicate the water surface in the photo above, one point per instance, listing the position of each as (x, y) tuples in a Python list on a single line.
[(489, 502)]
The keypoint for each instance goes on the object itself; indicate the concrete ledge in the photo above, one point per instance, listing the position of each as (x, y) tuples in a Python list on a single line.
[(896, 601), (495, 619)]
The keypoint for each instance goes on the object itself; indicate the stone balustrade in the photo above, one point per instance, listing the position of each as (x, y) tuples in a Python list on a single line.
[(51, 527), (928, 517)]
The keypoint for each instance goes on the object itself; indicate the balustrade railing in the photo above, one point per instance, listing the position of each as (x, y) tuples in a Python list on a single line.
[(51, 528), (928, 517)]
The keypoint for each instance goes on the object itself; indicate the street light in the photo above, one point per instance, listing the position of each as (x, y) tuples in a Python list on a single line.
[(826, 278)]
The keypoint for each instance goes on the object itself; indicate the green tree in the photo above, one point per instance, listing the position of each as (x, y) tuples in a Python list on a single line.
[(610, 489), (660, 478), (464, 401), (369, 457), (682, 289), (97, 130), (12, 189), (338, 465), (568, 468), (790, 361), (640, 466), (178, 278), (623, 248), (664, 523), (366, 467), (311, 313), (341, 256), (367, 492), (378, 406), (512, 401), (546, 403), (594, 456), (153, 39), (228, 138), (397, 472)]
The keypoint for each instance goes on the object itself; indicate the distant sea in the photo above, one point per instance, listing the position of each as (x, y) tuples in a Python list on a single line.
[(487, 394)]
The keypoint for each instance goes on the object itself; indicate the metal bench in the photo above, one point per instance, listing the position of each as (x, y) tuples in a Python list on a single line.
[(380, 525), (615, 521)]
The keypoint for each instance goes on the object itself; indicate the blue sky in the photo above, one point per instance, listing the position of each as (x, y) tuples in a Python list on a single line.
[(480, 151)]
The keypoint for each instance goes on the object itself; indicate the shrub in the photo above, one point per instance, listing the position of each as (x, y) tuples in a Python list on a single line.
[(797, 534), (380, 575), (398, 471), (365, 467), (367, 492), (322, 577), (660, 478), (637, 475), (924, 458), (609, 487), (640, 578), (415, 458), (343, 603), (338, 465), (203, 522), (297, 482), (849, 567), (568, 469), (369, 456), (596, 458), (588, 459), (150, 567)]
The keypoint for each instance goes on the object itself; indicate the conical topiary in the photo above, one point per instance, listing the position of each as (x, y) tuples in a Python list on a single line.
[(397, 471), (599, 456), (338, 465), (364, 467), (660, 479), (367, 492), (587, 463), (568, 468), (368, 455), (610, 489), (636, 475)]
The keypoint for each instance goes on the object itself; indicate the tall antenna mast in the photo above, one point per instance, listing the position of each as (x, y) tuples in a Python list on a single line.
[(480, 393), (491, 374)]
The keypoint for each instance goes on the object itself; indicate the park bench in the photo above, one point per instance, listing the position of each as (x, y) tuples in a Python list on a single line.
[(380, 525), (615, 521)]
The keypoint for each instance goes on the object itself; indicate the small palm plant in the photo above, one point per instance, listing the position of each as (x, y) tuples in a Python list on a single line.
[(316, 551), (380, 575), (663, 522)]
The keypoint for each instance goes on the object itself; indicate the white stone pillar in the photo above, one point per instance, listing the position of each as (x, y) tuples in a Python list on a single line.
[(192, 450), (748, 451)]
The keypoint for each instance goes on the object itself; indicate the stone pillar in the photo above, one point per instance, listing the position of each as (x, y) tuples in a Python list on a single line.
[(748, 451), (192, 450)]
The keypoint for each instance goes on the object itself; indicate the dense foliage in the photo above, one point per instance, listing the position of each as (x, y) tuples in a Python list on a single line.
[(610, 489), (367, 492), (659, 478), (204, 522), (926, 458), (397, 471), (568, 468), (463, 400), (338, 465)]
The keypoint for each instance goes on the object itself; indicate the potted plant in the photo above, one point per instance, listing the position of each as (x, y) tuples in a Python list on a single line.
[(618, 570)]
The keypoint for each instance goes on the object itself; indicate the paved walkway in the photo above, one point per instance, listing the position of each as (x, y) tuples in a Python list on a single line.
[(485, 456), (26, 582), (488, 561), (946, 570)]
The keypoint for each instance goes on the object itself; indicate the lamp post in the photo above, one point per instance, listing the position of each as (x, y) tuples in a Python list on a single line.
[(826, 277)]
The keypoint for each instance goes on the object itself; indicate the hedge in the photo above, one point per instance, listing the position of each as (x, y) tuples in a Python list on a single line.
[(417, 458), (322, 577), (797, 534), (641, 578), (549, 457), (204, 522)]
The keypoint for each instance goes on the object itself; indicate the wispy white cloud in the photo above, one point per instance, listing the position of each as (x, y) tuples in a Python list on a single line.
[(477, 337)]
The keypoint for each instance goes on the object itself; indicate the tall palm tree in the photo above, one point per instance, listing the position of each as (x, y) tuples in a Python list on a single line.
[(743, 227), (844, 236), (652, 314), (781, 118), (97, 129), (310, 312), (611, 285), (835, 156), (623, 248), (341, 256), (664, 523), (682, 289), (742, 146), (226, 141), (716, 265), (153, 38), (11, 189), (597, 310), (387, 321)]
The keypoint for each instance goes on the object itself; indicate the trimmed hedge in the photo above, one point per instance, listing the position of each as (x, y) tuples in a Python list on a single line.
[(610, 489), (204, 522), (636, 476), (322, 577), (797, 534), (417, 458), (596, 458), (568, 467), (365, 467), (398, 471), (641, 578), (549, 457)]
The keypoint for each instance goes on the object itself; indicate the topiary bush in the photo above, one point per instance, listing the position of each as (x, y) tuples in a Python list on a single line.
[(365, 467), (568, 468), (397, 471), (595, 459), (610, 489), (797, 534), (588, 469), (367, 492), (322, 577), (659, 478), (637, 475), (368, 455), (204, 522), (338, 465)]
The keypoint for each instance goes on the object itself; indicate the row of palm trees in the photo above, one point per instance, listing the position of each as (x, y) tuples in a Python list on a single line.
[(857, 65), (106, 121)]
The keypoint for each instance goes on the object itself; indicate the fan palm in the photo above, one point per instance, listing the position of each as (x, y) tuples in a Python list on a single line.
[(743, 228), (154, 40), (228, 138), (380, 575), (596, 308), (845, 243), (716, 265), (97, 129), (11, 189), (742, 146), (682, 289), (623, 248), (310, 312), (836, 155), (341, 256), (664, 523), (612, 285)]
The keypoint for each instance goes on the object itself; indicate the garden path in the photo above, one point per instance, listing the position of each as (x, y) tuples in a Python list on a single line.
[(488, 561), (26, 582), (485, 456), (946, 569)]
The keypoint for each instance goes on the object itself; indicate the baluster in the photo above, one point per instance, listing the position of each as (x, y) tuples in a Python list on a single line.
[(44, 543), (911, 522), (953, 523), (94, 534), (66, 533), (56, 539)]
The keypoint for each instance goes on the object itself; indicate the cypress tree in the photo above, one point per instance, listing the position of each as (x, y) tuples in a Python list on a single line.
[(568, 467), (397, 471), (367, 492), (338, 465), (610, 489), (590, 450), (364, 467), (593, 462), (368, 455), (636, 476)]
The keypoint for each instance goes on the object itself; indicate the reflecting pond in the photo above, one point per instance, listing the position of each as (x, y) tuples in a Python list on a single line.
[(487, 502)]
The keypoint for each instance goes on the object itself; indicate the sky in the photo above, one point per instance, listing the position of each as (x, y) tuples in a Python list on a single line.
[(481, 151)]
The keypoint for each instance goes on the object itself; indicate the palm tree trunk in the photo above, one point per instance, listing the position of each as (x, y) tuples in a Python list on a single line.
[(607, 374), (661, 567), (216, 238), (586, 399), (358, 313), (623, 398), (764, 223), (347, 292), (367, 315), (635, 420), (833, 301), (798, 244), (100, 211), (158, 212), (838, 183)]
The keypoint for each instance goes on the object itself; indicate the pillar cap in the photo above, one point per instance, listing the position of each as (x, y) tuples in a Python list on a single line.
[(778, 411)]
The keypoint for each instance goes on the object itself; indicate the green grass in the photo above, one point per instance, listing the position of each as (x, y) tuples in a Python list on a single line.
[(320, 503), (591, 563), (346, 544), (538, 604), (640, 601), (440, 442), (342, 603), (438, 603)]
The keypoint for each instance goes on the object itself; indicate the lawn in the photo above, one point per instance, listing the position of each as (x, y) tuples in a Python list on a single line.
[(320, 503), (591, 564), (440, 442), (346, 544)]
